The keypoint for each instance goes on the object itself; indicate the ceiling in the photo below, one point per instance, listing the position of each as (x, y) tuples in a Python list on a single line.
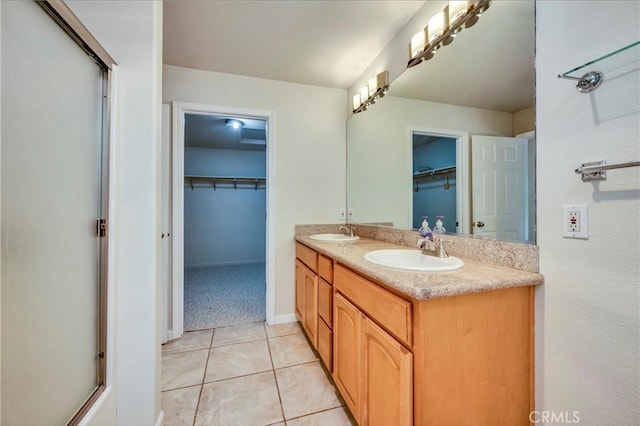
[(321, 43), (211, 131), (331, 43)]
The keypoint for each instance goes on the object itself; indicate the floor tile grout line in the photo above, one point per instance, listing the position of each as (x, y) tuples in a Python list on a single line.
[(179, 388), (204, 375), (317, 412), (297, 365), (275, 378), (186, 350), (237, 343), (239, 376)]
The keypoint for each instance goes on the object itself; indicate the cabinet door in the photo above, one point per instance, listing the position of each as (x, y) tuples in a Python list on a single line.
[(387, 378), (299, 290), (325, 344), (310, 309), (347, 322), (325, 302)]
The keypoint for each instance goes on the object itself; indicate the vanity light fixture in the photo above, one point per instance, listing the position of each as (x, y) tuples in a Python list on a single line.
[(443, 27), (375, 89), (234, 123)]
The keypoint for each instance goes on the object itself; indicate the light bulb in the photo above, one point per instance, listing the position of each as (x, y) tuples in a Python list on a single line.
[(364, 94), (356, 101), (457, 9), (373, 86), (436, 26), (418, 41)]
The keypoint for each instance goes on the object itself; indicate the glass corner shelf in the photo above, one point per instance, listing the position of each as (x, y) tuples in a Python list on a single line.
[(591, 75)]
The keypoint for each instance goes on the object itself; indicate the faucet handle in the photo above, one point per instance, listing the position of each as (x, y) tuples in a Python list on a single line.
[(440, 245)]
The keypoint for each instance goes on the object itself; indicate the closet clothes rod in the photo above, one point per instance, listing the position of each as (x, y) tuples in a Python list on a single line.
[(441, 171), (214, 181), (596, 170)]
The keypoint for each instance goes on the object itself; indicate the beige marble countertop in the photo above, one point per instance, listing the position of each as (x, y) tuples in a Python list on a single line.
[(473, 277)]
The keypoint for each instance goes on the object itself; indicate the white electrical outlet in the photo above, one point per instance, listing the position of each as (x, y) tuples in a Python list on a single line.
[(342, 215), (575, 221), (350, 214)]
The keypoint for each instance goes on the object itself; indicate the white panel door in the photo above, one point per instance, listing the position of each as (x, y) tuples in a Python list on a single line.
[(499, 182), (52, 100)]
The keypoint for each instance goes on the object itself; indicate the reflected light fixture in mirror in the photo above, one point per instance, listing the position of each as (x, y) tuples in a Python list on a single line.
[(369, 94), (443, 27)]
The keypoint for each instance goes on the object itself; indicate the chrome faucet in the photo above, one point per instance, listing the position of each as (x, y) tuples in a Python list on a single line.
[(433, 247), (349, 229)]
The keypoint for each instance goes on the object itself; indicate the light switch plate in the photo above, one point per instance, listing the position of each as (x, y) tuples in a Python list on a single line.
[(575, 221)]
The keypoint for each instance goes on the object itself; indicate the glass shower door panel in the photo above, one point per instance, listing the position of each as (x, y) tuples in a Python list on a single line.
[(51, 157)]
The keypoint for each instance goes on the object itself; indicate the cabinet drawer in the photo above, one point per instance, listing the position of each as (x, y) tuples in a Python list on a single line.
[(325, 302), (325, 268), (389, 310), (325, 345), (307, 256)]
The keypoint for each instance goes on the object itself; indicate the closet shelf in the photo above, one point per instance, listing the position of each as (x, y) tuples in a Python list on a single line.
[(428, 173), (235, 182), (591, 74)]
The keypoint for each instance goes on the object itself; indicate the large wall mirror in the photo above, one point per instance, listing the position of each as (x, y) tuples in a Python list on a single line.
[(455, 136)]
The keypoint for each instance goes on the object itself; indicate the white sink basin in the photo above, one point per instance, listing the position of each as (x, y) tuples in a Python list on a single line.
[(412, 260), (333, 237)]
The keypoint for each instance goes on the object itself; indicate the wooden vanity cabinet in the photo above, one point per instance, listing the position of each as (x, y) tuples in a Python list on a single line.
[(372, 368), (310, 303), (314, 300), (387, 378), (455, 360), (347, 325), (307, 291), (325, 311), (299, 290)]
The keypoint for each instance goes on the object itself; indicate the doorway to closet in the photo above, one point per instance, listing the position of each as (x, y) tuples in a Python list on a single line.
[(224, 220)]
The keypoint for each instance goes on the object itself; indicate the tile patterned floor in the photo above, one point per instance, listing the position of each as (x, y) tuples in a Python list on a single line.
[(251, 374)]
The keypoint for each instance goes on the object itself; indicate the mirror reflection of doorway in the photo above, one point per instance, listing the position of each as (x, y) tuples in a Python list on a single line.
[(501, 188), (224, 220), (434, 180)]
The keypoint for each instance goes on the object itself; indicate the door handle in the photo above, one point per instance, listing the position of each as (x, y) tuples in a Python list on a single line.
[(478, 224)]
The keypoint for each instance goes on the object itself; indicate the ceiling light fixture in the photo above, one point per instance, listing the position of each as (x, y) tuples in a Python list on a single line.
[(375, 89), (233, 123), (443, 27)]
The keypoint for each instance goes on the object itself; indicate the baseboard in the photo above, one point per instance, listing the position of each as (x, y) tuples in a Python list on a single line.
[(231, 263), (160, 419), (286, 318)]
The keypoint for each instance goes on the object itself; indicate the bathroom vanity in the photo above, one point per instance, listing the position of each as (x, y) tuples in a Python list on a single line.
[(445, 348)]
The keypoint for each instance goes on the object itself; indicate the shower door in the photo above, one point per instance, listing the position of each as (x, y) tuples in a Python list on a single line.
[(53, 218)]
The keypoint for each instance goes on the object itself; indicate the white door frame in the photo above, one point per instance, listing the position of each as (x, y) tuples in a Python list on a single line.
[(179, 111), (463, 175)]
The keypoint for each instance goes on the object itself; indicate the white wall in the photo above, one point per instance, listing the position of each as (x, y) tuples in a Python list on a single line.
[(379, 151), (309, 150), (132, 34), (588, 327), (225, 226)]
